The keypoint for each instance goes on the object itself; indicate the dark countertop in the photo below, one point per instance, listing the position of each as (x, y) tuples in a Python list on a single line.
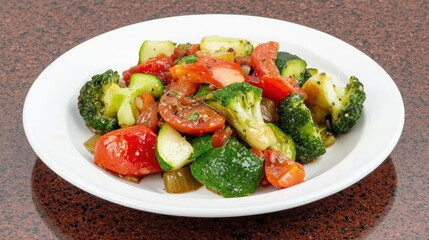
[(390, 203)]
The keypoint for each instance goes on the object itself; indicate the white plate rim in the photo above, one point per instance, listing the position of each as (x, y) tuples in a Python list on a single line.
[(327, 183)]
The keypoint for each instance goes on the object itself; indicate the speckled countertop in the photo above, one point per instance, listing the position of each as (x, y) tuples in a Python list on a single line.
[(390, 203)]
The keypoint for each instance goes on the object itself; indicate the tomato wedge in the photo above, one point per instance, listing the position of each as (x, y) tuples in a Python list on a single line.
[(209, 70), (281, 171), (128, 151), (158, 66), (220, 136), (264, 59), (267, 76), (276, 87), (186, 115)]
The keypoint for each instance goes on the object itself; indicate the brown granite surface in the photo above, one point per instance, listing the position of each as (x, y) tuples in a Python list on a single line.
[(390, 203)]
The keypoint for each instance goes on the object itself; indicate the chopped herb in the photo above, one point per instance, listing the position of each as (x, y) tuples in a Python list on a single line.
[(193, 117)]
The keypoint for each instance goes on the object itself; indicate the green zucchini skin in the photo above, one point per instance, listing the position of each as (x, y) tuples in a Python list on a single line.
[(231, 170)]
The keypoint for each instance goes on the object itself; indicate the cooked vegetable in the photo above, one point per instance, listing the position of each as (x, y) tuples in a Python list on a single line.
[(327, 136), (240, 103), (150, 49), (281, 171), (291, 65), (296, 121), (209, 70), (128, 151), (180, 181), (90, 143), (278, 114), (269, 110), (158, 66), (220, 136), (91, 105), (341, 106), (214, 44), (203, 90), (231, 170), (121, 101), (186, 115), (148, 111), (201, 144), (187, 60), (172, 149), (267, 75), (284, 142)]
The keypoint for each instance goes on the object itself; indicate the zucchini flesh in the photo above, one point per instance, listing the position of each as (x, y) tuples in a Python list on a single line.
[(295, 68), (172, 150), (141, 83), (151, 48), (214, 44)]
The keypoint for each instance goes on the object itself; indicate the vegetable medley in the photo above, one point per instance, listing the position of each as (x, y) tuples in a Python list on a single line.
[(226, 113)]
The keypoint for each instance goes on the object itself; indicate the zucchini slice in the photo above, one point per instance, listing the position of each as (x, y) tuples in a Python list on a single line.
[(142, 83), (151, 48), (172, 150), (215, 44)]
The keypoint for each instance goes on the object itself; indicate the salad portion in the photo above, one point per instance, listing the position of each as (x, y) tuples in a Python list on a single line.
[(225, 113)]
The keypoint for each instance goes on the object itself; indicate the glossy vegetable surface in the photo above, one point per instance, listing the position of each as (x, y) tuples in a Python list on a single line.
[(128, 151)]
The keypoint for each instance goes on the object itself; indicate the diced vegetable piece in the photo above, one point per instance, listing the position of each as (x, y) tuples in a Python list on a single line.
[(172, 150), (158, 66), (187, 60), (209, 70), (90, 143), (231, 170), (269, 110), (327, 136), (295, 68), (291, 65), (227, 56), (180, 181), (201, 145), (150, 49), (141, 83), (128, 151), (284, 143), (241, 47), (281, 171), (203, 90), (283, 58)]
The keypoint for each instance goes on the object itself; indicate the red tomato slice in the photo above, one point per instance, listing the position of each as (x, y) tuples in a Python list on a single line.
[(187, 115), (128, 151), (276, 87), (264, 59), (282, 172), (267, 75), (209, 70), (158, 66), (220, 136)]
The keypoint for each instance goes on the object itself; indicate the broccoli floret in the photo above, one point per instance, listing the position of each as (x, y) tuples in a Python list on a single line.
[(296, 121), (105, 105), (240, 103), (91, 105), (342, 107)]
